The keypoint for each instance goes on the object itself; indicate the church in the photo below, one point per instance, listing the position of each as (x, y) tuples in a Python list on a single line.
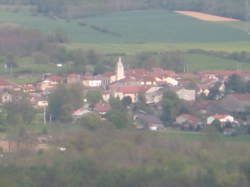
[(120, 74)]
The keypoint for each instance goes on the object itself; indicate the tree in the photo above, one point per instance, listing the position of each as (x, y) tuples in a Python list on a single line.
[(173, 60), (19, 112), (217, 124), (63, 101), (141, 104), (91, 121), (99, 68), (10, 61), (93, 97), (40, 58), (92, 57), (59, 36), (235, 84), (171, 106), (127, 101), (215, 93), (118, 115), (78, 56), (144, 60)]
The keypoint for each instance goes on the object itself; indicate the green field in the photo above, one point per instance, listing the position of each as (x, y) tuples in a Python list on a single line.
[(145, 26), (200, 136), (133, 48), (198, 62)]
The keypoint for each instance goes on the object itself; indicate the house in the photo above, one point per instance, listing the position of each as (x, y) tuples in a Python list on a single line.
[(154, 77), (55, 78), (27, 88), (188, 121), (236, 102), (110, 76), (37, 100), (77, 114), (222, 118), (42, 103), (4, 84), (202, 106), (172, 81), (148, 121), (187, 95), (190, 76), (153, 95), (128, 91), (91, 81), (102, 108), (50, 83), (73, 79), (47, 86)]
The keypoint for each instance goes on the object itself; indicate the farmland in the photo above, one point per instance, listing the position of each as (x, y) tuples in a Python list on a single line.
[(132, 48), (198, 62), (133, 32), (148, 26)]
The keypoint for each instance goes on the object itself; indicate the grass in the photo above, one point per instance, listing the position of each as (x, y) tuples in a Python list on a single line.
[(198, 62), (142, 26), (133, 48), (198, 136)]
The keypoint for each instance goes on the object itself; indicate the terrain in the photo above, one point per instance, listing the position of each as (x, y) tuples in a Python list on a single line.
[(133, 32)]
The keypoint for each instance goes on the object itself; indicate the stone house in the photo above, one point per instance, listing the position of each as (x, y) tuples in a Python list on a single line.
[(187, 95), (222, 118)]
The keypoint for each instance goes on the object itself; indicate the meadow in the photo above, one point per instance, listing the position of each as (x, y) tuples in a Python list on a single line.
[(141, 26), (133, 48), (199, 62)]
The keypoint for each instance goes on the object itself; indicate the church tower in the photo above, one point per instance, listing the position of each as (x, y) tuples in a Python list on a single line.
[(120, 70)]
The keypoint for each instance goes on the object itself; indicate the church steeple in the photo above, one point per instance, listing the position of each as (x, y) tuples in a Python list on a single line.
[(120, 70)]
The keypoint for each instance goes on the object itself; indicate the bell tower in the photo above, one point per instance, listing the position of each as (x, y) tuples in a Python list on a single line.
[(120, 70)]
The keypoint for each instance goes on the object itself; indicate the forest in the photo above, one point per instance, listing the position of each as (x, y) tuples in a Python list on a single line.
[(125, 158)]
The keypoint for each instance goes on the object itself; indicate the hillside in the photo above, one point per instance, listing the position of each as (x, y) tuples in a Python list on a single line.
[(76, 8), (132, 27)]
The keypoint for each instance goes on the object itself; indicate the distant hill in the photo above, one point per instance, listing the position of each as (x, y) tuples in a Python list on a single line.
[(228, 8), (132, 27)]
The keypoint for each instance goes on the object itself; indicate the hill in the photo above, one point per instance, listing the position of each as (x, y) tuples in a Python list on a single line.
[(76, 8), (132, 27)]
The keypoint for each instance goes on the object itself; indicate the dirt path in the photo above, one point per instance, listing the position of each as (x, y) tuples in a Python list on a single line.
[(205, 17)]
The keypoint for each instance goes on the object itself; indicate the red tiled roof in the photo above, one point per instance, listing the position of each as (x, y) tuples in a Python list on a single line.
[(73, 75), (55, 78), (108, 74), (202, 104), (242, 97), (28, 87), (217, 116), (190, 118), (102, 107), (132, 89), (5, 83), (189, 75), (224, 73), (90, 77), (79, 112)]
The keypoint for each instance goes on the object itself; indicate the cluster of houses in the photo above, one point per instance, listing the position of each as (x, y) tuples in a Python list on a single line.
[(149, 83)]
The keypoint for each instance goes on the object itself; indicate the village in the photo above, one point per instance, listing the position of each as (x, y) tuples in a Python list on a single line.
[(223, 108)]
